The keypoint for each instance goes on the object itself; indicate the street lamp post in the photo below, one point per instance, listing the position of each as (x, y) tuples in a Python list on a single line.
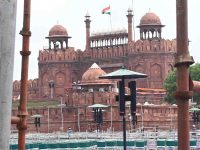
[(125, 74), (111, 118), (51, 85), (78, 119), (170, 118), (61, 111), (48, 118), (142, 115), (130, 120)]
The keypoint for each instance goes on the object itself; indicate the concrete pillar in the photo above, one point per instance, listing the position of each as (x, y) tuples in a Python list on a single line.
[(7, 42)]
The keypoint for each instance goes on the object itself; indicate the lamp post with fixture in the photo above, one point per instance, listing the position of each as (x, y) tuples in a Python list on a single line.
[(125, 74), (51, 86), (61, 105)]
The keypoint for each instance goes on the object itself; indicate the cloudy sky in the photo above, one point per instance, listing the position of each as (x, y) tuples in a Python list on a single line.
[(70, 14)]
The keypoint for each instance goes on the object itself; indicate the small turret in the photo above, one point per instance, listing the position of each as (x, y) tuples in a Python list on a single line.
[(87, 22), (150, 27), (58, 36), (130, 29)]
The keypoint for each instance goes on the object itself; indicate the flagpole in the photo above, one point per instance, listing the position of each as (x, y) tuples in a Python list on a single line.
[(106, 10), (111, 42), (110, 19), (110, 24)]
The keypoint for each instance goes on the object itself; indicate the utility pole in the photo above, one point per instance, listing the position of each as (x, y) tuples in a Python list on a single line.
[(7, 42), (20, 119), (182, 62)]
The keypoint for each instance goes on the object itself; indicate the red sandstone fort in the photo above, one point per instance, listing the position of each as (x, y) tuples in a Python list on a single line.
[(71, 77)]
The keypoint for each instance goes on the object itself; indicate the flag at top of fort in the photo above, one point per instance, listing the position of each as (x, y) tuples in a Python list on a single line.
[(106, 10)]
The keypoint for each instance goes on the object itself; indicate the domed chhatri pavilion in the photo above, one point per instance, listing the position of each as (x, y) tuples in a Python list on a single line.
[(64, 74), (58, 36), (57, 30), (150, 26)]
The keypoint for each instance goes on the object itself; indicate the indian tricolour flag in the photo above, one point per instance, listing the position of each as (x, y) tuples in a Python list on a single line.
[(106, 10)]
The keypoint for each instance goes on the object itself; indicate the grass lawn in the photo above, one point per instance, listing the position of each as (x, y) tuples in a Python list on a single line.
[(37, 103)]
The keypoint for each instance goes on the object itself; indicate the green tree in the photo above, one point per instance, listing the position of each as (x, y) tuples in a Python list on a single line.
[(170, 83), (170, 87), (195, 75)]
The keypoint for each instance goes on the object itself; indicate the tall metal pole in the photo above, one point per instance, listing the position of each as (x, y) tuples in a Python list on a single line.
[(51, 85), (182, 62), (142, 118), (61, 111), (78, 120), (124, 131), (48, 118), (170, 118), (7, 42), (123, 74), (111, 118), (22, 109), (124, 117), (51, 93)]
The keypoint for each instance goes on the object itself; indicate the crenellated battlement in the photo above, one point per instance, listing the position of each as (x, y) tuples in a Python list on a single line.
[(31, 84), (33, 89), (147, 46), (60, 55)]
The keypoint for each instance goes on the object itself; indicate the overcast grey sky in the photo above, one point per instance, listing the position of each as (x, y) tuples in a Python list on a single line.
[(70, 14)]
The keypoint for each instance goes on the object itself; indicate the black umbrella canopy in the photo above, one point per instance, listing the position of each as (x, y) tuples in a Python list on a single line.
[(123, 73)]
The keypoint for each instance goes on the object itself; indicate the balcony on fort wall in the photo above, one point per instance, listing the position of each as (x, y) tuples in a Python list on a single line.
[(109, 39)]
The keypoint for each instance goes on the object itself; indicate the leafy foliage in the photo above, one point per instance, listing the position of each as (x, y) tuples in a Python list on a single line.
[(195, 75), (195, 72), (170, 87), (170, 83)]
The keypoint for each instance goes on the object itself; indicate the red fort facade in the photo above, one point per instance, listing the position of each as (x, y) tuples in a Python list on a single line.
[(72, 75)]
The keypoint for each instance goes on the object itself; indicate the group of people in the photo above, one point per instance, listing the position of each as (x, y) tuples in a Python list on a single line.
[(196, 117)]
